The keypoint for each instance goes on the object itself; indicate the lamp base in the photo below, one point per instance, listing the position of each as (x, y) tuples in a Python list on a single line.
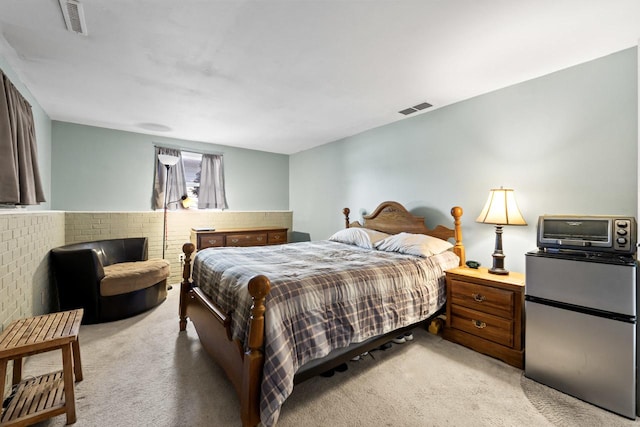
[(495, 270), (498, 255)]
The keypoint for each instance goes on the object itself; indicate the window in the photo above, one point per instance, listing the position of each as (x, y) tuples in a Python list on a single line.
[(198, 175), (192, 169)]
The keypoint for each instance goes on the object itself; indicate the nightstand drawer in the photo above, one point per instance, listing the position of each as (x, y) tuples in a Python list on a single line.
[(249, 239), (490, 300), (483, 325)]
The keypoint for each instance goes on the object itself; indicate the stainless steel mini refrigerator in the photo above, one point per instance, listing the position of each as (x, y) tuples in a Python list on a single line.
[(581, 327)]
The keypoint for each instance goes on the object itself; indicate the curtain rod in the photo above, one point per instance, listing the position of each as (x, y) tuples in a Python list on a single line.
[(174, 147)]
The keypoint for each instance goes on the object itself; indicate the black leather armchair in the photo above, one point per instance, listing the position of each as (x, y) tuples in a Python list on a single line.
[(79, 271)]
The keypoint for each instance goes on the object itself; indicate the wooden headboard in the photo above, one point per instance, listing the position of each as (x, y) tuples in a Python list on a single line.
[(393, 218)]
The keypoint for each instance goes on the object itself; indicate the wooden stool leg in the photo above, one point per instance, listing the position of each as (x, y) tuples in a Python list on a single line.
[(17, 370), (69, 387), (77, 363), (3, 377)]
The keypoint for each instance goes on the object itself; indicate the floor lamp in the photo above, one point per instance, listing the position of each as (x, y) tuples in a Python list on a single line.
[(167, 160)]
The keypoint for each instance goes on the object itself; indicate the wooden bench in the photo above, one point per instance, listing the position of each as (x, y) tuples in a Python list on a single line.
[(48, 395)]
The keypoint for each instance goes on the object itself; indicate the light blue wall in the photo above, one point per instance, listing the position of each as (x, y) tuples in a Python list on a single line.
[(98, 169), (43, 133), (566, 142)]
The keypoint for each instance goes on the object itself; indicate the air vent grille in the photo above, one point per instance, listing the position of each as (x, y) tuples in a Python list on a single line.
[(415, 108), (73, 15), (422, 106)]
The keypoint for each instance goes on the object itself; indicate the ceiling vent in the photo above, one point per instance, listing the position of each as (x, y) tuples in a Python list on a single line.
[(415, 108), (73, 16)]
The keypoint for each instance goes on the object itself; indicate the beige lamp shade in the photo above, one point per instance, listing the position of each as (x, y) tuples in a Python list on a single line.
[(168, 159), (501, 208)]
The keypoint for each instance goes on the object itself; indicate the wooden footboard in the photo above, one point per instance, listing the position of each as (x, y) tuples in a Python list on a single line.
[(243, 366)]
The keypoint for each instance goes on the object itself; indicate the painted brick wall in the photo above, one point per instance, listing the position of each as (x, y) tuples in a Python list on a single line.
[(25, 240)]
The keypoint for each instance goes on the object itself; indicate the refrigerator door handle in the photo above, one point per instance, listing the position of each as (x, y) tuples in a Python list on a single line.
[(586, 310)]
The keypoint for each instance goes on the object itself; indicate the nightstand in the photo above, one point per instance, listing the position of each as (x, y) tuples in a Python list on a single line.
[(485, 312)]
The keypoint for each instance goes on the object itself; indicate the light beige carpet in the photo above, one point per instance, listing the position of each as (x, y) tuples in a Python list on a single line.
[(142, 372)]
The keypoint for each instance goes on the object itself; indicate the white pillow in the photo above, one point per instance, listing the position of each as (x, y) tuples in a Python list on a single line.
[(363, 237), (414, 244)]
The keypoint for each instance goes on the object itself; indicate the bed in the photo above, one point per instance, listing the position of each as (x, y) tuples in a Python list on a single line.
[(354, 299)]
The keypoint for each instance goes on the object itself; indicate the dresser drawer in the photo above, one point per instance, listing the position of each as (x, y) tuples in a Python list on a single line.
[(277, 237), (247, 239), (210, 241), (490, 300), (483, 325)]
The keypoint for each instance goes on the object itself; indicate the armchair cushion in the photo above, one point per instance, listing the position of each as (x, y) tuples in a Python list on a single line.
[(126, 277)]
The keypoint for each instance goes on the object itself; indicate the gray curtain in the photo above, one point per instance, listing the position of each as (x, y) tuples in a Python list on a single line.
[(177, 185), (19, 175), (212, 194)]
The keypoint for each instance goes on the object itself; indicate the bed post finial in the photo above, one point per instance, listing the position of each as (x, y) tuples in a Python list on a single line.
[(346, 212), (458, 248), (185, 286), (259, 287)]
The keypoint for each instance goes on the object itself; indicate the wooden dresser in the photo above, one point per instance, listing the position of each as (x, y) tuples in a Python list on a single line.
[(238, 237), (485, 312)]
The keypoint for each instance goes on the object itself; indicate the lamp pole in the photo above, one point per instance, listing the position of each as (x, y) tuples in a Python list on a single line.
[(167, 160), (164, 230)]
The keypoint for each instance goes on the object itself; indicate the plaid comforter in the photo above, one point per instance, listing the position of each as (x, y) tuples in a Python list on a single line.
[(325, 295)]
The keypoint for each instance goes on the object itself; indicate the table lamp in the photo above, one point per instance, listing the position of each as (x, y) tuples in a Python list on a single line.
[(501, 209)]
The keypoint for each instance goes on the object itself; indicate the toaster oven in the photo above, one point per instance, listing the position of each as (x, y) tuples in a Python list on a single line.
[(601, 233)]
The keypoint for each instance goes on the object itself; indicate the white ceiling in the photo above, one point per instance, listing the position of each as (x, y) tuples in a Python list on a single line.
[(287, 75)]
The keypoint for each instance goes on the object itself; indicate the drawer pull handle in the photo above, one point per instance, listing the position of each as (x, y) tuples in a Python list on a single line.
[(478, 297), (479, 324)]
